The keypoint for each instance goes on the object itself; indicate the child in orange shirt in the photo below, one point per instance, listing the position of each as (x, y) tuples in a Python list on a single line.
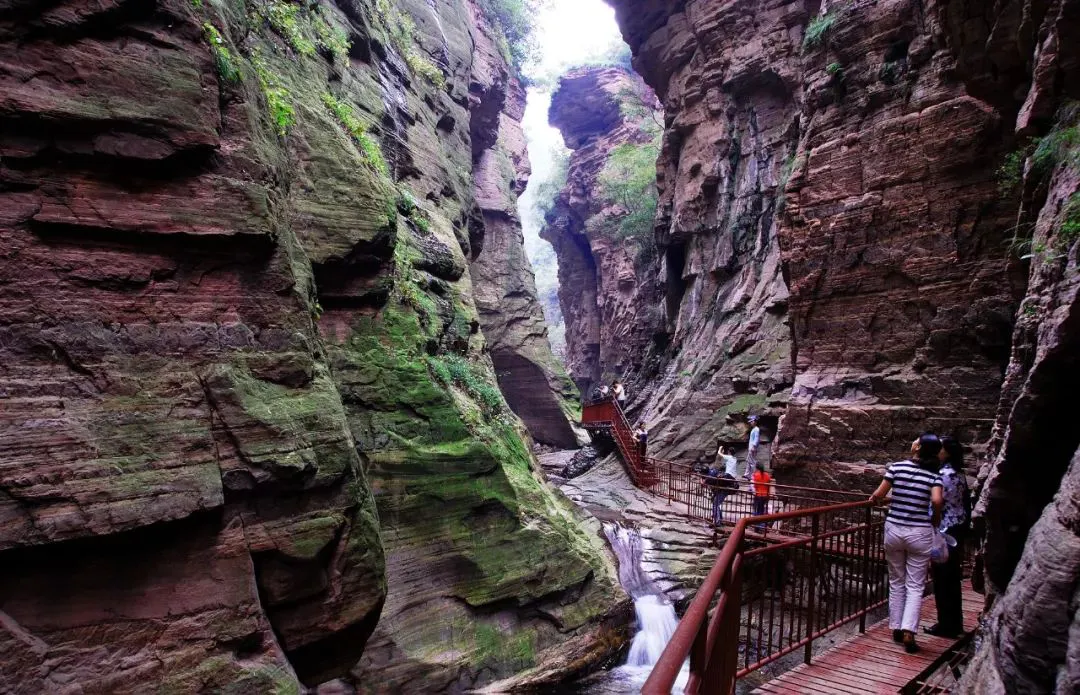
[(762, 482)]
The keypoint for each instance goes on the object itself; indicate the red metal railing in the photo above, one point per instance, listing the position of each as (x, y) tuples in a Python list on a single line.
[(607, 414), (776, 599), (680, 484)]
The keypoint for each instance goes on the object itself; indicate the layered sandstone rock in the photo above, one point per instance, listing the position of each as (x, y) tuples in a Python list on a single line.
[(534, 382), (604, 278), (235, 302), (1030, 522), (864, 159), (697, 320)]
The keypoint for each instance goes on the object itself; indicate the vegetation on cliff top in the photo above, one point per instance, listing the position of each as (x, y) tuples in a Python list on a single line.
[(629, 175), (513, 22), (629, 179)]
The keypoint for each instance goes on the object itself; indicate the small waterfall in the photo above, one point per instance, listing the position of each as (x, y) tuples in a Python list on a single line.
[(629, 548), (656, 624), (656, 620), (655, 615)]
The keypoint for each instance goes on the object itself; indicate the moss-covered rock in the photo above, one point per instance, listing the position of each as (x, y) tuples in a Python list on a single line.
[(225, 329)]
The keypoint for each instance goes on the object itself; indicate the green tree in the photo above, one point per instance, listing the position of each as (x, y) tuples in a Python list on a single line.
[(629, 180), (514, 21), (547, 191)]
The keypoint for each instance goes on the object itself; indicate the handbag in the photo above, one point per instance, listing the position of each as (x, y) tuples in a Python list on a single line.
[(939, 549)]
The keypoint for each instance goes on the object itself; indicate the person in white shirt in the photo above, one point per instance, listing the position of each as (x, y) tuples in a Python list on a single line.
[(729, 462), (619, 392)]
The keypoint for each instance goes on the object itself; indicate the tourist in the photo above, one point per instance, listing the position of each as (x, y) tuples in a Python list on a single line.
[(604, 391), (726, 462), (619, 392), (752, 446), (948, 576), (914, 511), (762, 490), (642, 437), (729, 463), (721, 484)]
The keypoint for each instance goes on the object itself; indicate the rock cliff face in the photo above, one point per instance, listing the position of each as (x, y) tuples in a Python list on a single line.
[(1030, 523), (246, 410), (784, 200), (604, 278), (876, 133), (535, 384)]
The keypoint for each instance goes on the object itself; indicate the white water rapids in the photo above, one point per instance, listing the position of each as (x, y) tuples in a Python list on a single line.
[(656, 620), (656, 624)]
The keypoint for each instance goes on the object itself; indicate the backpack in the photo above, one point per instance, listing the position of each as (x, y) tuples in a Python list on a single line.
[(716, 480)]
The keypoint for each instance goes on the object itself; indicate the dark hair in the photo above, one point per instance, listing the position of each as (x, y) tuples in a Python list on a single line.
[(954, 451), (929, 446)]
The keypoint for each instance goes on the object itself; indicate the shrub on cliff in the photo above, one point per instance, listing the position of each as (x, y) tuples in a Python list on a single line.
[(819, 26), (513, 21), (547, 190), (629, 180)]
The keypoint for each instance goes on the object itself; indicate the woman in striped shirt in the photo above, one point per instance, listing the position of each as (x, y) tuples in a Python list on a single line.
[(914, 512)]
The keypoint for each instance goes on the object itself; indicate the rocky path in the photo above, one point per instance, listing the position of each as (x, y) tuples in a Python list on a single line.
[(679, 550)]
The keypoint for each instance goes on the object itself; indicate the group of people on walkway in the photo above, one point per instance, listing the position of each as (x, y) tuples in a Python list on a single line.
[(721, 478), (616, 391), (930, 496), (929, 507)]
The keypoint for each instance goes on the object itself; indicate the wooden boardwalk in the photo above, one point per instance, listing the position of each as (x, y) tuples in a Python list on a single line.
[(872, 662)]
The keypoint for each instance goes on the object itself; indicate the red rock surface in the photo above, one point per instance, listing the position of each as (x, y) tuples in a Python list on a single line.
[(534, 382), (603, 279), (179, 490), (889, 225), (1029, 521), (219, 332)]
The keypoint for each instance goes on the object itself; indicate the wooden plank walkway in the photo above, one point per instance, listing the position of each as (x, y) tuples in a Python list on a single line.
[(872, 662)]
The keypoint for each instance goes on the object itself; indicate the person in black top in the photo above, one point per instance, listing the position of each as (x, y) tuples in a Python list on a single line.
[(914, 511), (948, 576)]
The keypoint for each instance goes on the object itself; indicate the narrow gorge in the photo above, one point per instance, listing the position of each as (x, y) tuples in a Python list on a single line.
[(251, 433), (279, 411)]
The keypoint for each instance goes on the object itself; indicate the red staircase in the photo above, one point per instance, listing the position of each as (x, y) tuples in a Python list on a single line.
[(679, 484), (607, 415)]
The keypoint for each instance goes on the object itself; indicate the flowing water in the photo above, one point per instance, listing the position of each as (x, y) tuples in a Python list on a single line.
[(656, 620)]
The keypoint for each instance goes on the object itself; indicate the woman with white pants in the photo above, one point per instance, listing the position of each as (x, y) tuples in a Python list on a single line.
[(914, 512)]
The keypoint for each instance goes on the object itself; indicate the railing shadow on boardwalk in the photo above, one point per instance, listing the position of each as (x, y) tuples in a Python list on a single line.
[(814, 563)]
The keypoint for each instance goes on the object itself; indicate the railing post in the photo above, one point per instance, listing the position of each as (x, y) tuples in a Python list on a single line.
[(731, 633), (867, 540), (811, 621)]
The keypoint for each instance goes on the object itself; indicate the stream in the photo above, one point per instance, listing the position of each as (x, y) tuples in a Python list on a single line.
[(656, 620)]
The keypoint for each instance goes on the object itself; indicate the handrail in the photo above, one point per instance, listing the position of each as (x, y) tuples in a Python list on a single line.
[(712, 646), (847, 547), (680, 484)]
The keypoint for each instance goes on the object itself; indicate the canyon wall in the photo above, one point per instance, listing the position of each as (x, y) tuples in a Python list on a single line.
[(832, 237), (915, 166), (250, 433), (1030, 523), (535, 384), (604, 277)]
